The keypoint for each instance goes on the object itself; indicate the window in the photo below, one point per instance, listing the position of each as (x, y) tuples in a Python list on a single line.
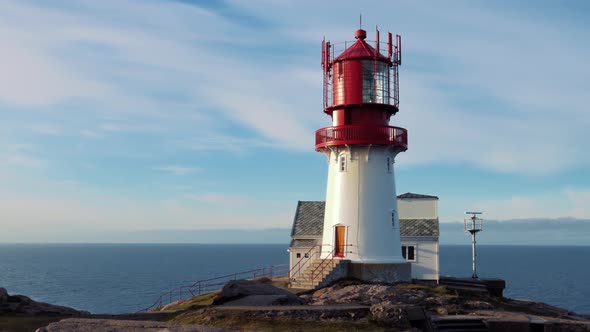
[(306, 255), (388, 164), (342, 163), (409, 253), (375, 82), (298, 255), (393, 218)]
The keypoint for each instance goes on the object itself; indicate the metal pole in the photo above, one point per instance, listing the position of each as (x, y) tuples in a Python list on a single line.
[(473, 252)]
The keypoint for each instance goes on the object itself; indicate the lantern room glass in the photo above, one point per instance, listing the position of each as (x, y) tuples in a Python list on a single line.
[(375, 82)]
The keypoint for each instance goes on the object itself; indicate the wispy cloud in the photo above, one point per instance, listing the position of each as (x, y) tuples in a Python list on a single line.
[(91, 134), (177, 169), (568, 202), (46, 129)]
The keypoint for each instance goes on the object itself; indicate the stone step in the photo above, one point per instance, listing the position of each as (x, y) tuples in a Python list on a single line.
[(317, 273)]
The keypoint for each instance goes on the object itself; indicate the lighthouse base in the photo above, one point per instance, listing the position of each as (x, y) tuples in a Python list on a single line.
[(381, 272), (370, 272)]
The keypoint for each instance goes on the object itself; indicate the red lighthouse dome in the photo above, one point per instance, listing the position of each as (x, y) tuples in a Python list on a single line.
[(361, 93)]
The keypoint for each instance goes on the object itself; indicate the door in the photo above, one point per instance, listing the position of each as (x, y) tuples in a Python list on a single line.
[(339, 241)]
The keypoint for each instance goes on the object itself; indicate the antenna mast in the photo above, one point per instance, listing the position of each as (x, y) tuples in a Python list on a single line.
[(473, 225)]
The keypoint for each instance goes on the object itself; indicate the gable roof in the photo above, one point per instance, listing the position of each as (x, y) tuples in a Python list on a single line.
[(309, 219), (418, 227), (412, 195), (309, 222)]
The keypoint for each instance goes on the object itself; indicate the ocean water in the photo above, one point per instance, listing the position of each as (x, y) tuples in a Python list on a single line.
[(118, 278)]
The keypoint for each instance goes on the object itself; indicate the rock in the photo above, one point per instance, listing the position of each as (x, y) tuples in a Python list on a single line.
[(265, 300), (238, 289), (477, 305), (441, 311), (21, 304), (390, 315), (90, 325), (3, 295)]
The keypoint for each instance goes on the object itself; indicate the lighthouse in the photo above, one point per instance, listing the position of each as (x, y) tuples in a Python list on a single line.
[(361, 95)]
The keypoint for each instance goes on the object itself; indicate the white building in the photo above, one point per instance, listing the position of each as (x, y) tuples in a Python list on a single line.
[(419, 230)]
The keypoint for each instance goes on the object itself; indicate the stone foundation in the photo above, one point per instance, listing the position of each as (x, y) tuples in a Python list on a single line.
[(380, 272)]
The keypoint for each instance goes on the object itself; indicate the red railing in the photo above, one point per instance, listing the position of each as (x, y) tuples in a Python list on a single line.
[(296, 269), (213, 284), (319, 270), (355, 134)]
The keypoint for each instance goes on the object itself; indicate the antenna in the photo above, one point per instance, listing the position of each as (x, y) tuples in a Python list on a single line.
[(473, 225), (360, 21)]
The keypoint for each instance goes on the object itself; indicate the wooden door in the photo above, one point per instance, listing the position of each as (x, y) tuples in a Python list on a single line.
[(339, 241)]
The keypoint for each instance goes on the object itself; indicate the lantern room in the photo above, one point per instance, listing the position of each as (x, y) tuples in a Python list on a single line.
[(360, 74)]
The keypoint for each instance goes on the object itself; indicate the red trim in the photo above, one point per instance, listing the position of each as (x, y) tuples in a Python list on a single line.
[(355, 134)]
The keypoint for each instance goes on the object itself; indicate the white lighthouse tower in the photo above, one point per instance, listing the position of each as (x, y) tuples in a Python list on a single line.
[(361, 95)]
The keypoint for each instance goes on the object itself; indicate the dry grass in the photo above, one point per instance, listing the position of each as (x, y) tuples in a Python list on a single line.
[(234, 320), (199, 300)]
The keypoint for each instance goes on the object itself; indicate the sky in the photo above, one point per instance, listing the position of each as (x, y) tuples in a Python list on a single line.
[(139, 116)]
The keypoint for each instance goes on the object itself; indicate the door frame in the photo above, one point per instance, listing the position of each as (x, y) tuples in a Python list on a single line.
[(340, 248)]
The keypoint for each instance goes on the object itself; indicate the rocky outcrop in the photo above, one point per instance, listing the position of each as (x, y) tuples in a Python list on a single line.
[(391, 315), (20, 304), (93, 325), (248, 292)]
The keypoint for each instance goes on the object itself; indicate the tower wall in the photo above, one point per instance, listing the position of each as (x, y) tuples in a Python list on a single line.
[(361, 196)]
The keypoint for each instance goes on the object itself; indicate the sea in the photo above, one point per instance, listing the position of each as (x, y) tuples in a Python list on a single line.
[(121, 278)]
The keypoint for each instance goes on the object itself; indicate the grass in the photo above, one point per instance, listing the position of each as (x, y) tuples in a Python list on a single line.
[(234, 320), (26, 323), (199, 300)]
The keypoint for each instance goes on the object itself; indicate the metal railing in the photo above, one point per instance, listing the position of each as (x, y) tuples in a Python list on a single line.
[(327, 261), (212, 284), (336, 49), (355, 134), (295, 271)]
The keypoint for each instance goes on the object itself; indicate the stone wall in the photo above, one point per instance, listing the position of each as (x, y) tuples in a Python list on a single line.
[(375, 272)]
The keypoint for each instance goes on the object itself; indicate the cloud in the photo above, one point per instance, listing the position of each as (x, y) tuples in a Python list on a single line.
[(560, 231), (569, 202), (177, 169), (472, 90), (91, 134), (46, 129), (20, 155), (477, 96)]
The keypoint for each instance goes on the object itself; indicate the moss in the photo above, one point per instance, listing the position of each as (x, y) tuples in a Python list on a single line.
[(199, 300)]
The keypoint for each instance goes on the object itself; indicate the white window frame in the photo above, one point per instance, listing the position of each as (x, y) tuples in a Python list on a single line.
[(342, 163), (405, 252)]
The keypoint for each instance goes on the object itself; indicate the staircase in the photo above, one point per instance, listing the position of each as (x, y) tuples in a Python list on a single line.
[(458, 324), (315, 273)]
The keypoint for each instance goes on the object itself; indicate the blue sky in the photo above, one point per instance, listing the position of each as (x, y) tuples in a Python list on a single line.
[(183, 115)]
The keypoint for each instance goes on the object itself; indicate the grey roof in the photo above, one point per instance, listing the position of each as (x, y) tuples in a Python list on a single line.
[(418, 227), (303, 243), (309, 223), (412, 195), (309, 219)]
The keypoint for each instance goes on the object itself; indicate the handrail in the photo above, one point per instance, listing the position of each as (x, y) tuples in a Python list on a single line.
[(357, 134), (299, 265), (212, 284), (330, 257)]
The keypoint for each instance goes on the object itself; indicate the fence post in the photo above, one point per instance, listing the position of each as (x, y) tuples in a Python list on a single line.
[(270, 272)]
